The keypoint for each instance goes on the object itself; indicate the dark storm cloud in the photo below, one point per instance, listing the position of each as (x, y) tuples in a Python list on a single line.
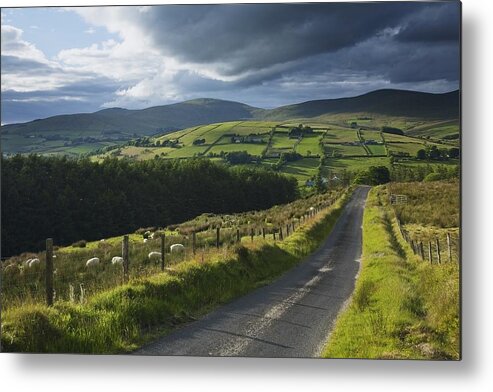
[(436, 23), (265, 55), (239, 38)]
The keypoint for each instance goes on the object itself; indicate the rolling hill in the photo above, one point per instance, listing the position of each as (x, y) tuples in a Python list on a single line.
[(73, 134), (141, 122), (383, 102)]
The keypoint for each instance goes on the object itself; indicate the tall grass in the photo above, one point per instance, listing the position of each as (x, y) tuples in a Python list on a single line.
[(429, 203), (122, 318), (401, 307), (75, 282)]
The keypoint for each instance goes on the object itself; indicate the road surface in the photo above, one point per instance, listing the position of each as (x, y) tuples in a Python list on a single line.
[(290, 317)]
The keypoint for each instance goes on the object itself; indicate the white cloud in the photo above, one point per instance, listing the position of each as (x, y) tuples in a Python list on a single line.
[(14, 45)]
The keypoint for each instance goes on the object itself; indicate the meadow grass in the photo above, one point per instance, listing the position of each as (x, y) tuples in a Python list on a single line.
[(251, 148), (74, 281), (377, 149), (433, 203), (121, 319), (309, 145), (280, 141), (355, 163), (401, 308), (346, 151)]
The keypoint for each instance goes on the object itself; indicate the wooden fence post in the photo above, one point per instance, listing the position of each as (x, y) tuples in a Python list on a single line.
[(280, 234), (439, 258), (194, 242), (287, 230), (430, 254), (125, 258), (217, 237), (252, 233), (263, 233), (163, 250), (274, 234), (238, 239), (421, 250), (49, 271), (449, 246)]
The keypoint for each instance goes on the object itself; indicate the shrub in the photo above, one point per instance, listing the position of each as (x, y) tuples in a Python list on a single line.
[(80, 244)]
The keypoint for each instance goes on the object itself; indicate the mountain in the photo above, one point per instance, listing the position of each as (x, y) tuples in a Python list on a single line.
[(385, 102), (74, 134), (140, 122)]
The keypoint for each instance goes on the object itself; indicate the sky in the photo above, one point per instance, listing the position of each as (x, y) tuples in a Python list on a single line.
[(83, 59)]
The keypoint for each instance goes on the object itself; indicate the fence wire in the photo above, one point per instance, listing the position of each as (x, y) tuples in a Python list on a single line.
[(75, 281)]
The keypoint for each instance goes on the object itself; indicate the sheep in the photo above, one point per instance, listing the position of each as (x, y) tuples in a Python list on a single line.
[(92, 262), (154, 254), (12, 268), (145, 240), (34, 262), (177, 248), (117, 260)]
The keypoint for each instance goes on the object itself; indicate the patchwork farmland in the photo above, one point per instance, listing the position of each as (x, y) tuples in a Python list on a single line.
[(329, 149)]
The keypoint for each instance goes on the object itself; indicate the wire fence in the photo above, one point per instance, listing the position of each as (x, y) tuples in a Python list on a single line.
[(436, 248), (52, 276)]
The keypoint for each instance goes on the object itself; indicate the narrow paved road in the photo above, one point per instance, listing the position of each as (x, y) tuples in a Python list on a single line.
[(292, 316)]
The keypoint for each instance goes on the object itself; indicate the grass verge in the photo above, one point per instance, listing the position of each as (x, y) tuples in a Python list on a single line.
[(401, 308), (121, 319)]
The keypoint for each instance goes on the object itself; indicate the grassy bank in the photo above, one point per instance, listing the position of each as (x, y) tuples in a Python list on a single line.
[(401, 307), (121, 319)]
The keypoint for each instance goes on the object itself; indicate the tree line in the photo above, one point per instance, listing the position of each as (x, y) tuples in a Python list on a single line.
[(71, 200)]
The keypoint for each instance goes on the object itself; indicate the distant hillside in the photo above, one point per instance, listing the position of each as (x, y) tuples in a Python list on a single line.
[(75, 134), (385, 102), (141, 122)]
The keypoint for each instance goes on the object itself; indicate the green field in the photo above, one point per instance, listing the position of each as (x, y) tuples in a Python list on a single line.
[(377, 149), (335, 139), (372, 135), (409, 148), (282, 142), (436, 130), (347, 151), (252, 149), (355, 163), (302, 169), (340, 136), (309, 145)]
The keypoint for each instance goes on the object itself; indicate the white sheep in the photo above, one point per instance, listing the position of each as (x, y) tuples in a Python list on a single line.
[(92, 262), (11, 268), (117, 260), (176, 248), (154, 254), (34, 262), (145, 240)]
